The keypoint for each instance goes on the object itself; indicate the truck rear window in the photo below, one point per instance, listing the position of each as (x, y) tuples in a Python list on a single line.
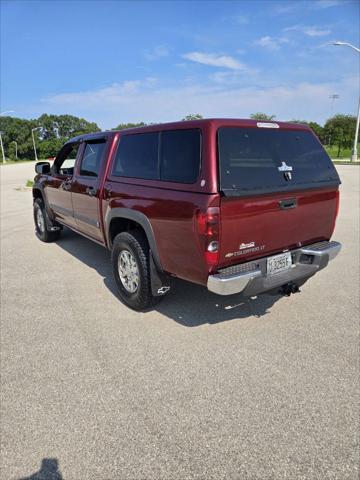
[(263, 160)]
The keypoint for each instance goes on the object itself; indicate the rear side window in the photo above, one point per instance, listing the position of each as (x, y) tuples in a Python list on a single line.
[(180, 155), (172, 156), (256, 159), (91, 161), (137, 156)]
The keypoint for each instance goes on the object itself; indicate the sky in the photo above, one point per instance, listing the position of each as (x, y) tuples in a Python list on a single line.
[(154, 61)]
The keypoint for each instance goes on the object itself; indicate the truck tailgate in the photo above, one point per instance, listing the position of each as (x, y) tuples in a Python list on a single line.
[(259, 226)]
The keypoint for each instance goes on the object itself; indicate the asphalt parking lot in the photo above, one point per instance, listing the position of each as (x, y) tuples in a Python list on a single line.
[(202, 387)]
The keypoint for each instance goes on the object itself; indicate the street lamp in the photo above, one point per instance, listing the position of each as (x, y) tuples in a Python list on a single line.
[(347, 45), (2, 147), (354, 152), (333, 97), (33, 139), (14, 141)]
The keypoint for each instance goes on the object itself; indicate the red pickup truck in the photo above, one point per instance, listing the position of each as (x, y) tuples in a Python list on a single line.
[(239, 206)]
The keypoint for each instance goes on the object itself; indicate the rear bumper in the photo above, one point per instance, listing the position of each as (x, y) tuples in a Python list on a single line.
[(251, 278)]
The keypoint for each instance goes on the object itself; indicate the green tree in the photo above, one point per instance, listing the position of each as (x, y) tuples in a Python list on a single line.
[(67, 126), (262, 116), (55, 130), (301, 122), (50, 147), (318, 130), (315, 127), (123, 126), (192, 116), (11, 151), (339, 131), (19, 130)]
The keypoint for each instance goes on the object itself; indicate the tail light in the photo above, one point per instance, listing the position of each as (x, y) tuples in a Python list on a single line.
[(208, 227), (337, 206)]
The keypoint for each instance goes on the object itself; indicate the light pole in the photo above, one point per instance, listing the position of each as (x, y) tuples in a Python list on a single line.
[(354, 152), (33, 138), (14, 141), (333, 97), (2, 148)]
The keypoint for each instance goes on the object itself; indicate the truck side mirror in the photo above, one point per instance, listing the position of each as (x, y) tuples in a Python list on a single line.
[(42, 167)]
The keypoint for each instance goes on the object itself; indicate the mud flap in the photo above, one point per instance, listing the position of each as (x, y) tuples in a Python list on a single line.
[(51, 226), (160, 283)]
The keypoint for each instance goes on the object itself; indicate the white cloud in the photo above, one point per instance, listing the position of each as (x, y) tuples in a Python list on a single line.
[(272, 43), (320, 4), (241, 19), (214, 60), (225, 77), (141, 100), (288, 8), (316, 32), (237, 19), (310, 31), (285, 8), (157, 52), (117, 93)]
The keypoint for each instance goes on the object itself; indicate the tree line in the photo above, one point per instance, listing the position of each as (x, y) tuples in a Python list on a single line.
[(52, 131)]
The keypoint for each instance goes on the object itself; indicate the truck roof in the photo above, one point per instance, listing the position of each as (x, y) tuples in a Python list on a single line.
[(215, 122), (184, 124)]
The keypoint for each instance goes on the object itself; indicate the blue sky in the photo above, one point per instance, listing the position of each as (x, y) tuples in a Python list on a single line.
[(120, 61)]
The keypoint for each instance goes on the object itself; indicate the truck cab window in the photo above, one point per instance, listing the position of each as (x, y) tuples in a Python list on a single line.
[(91, 160)]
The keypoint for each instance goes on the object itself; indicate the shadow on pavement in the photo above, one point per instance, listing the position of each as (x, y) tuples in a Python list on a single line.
[(49, 470), (189, 304)]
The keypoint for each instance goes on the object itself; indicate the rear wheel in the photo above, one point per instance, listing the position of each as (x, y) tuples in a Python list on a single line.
[(41, 223), (130, 261)]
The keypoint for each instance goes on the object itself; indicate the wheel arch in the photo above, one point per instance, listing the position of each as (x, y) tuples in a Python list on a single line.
[(37, 193), (119, 219)]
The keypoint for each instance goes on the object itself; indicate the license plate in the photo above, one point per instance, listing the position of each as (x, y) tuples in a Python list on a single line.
[(279, 263)]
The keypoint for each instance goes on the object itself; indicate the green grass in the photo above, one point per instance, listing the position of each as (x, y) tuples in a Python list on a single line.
[(345, 162), (29, 183), (345, 153)]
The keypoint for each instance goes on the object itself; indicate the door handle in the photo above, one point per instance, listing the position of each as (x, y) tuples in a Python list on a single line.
[(288, 203), (92, 191), (66, 185)]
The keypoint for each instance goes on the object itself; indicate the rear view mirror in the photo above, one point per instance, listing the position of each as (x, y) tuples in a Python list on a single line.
[(42, 167)]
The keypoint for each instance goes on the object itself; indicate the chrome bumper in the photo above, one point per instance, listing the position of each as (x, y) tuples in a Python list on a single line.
[(251, 278)]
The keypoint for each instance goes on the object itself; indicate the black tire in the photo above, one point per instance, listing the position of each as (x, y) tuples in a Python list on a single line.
[(136, 244), (41, 226)]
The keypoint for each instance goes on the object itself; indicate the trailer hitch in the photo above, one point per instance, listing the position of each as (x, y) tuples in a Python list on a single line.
[(289, 288)]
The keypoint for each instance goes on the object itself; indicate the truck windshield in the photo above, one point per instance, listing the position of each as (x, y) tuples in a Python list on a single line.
[(261, 160)]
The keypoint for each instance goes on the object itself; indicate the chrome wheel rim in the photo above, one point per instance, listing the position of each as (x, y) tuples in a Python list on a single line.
[(40, 221), (128, 271)]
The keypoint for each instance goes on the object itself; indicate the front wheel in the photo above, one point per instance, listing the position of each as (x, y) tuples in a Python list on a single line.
[(130, 261), (41, 223)]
